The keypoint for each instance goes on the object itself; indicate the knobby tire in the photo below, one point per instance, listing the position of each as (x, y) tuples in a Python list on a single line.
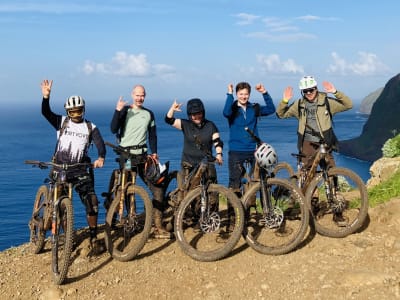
[(61, 252), (286, 199), (125, 237), (222, 237), (351, 196), (285, 168), (37, 222)]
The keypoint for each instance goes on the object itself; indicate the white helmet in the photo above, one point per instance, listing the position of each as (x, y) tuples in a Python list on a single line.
[(266, 156), (307, 82), (74, 102)]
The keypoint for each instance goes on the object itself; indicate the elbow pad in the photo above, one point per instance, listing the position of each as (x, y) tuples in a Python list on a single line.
[(169, 120), (218, 143)]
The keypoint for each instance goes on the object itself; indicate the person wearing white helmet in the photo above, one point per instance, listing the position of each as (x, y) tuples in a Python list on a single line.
[(314, 111), (74, 136)]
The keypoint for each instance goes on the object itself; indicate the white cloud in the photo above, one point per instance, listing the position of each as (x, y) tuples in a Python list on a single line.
[(367, 64), (286, 37), (280, 30), (272, 63), (127, 65), (245, 19), (309, 18)]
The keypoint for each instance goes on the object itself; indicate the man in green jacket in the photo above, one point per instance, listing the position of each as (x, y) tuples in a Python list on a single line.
[(314, 112)]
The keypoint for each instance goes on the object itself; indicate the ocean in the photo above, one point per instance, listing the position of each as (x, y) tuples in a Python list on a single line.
[(26, 135)]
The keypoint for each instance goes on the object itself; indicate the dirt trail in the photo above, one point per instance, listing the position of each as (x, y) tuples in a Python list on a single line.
[(365, 265)]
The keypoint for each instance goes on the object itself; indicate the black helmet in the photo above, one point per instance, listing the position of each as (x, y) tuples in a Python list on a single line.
[(195, 106)]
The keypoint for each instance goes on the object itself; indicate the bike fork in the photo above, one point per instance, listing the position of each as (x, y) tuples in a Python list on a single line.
[(265, 196)]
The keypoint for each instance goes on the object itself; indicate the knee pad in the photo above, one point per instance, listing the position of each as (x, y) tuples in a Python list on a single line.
[(91, 204)]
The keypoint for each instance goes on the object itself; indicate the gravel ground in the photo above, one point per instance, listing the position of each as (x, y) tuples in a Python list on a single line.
[(365, 265)]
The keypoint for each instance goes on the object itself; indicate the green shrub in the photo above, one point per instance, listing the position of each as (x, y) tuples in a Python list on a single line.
[(385, 191), (391, 148)]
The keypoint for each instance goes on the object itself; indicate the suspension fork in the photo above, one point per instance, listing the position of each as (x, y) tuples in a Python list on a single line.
[(122, 192), (132, 201), (204, 207), (329, 185), (265, 195)]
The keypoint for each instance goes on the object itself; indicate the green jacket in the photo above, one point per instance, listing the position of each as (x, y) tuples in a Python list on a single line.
[(297, 110)]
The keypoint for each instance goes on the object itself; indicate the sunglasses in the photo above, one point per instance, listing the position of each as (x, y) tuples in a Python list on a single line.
[(75, 113), (309, 91)]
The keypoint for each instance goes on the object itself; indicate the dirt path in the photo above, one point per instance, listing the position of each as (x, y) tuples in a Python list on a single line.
[(362, 266)]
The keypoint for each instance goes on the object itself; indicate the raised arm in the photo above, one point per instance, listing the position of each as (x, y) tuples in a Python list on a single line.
[(169, 117)]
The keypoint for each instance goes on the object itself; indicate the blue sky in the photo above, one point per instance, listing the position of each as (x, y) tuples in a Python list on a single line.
[(185, 49)]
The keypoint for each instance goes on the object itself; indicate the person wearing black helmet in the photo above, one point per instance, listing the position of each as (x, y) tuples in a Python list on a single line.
[(75, 135), (200, 134)]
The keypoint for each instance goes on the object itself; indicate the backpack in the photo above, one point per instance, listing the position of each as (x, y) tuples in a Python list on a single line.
[(235, 110)]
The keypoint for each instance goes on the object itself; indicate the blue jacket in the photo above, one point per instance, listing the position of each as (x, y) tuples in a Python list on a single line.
[(239, 119)]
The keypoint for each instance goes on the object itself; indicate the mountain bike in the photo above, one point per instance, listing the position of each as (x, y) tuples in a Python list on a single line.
[(209, 217), (276, 215), (129, 208), (52, 210), (337, 197)]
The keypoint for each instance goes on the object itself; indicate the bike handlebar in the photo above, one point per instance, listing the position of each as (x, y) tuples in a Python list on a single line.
[(45, 165)]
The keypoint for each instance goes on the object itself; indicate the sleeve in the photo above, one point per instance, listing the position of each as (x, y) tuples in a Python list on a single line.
[(341, 103), (99, 142), (54, 119), (228, 106), (269, 107), (117, 120), (285, 110), (152, 131)]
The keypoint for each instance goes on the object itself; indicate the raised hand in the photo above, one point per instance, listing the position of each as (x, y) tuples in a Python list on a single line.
[(176, 106), (230, 88), (260, 87), (46, 87), (329, 87), (121, 103), (288, 93)]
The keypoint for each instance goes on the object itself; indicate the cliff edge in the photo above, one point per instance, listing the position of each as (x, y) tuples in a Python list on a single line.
[(383, 123)]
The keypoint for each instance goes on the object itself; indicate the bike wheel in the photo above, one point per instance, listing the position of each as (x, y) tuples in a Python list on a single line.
[(338, 206), (283, 168), (37, 222), (62, 240), (281, 230), (127, 231), (210, 235)]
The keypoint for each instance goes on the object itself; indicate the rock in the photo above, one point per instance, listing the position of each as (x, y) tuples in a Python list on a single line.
[(382, 170)]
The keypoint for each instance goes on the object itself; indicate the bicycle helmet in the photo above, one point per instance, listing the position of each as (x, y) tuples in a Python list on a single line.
[(307, 82), (154, 171), (195, 106), (75, 107), (266, 156)]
